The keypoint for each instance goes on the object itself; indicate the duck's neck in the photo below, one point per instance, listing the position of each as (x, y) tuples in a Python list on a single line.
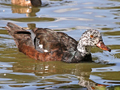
[(82, 54), (85, 50), (81, 57)]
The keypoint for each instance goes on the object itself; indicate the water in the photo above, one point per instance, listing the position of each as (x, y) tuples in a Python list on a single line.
[(19, 72)]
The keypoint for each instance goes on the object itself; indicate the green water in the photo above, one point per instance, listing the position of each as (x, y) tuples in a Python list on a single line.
[(19, 72)]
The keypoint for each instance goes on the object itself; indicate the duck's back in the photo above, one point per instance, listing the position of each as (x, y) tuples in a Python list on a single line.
[(47, 40)]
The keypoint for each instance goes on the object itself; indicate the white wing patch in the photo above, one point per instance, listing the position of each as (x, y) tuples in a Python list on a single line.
[(41, 46), (45, 50)]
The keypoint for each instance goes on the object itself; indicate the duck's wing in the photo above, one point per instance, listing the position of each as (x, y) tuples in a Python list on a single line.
[(48, 40), (71, 47), (69, 42)]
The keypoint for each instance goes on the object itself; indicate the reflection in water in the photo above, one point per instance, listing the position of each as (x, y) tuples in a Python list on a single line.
[(47, 70), (30, 12), (51, 74), (31, 26)]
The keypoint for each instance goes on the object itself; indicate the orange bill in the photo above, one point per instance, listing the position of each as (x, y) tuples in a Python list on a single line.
[(102, 46)]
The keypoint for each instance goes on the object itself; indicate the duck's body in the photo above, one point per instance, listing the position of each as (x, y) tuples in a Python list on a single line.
[(27, 2), (48, 45)]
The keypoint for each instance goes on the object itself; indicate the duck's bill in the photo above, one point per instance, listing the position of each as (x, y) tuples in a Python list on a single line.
[(102, 46)]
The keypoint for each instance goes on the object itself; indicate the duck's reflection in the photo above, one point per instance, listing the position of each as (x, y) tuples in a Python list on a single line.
[(82, 70), (31, 26), (29, 11), (16, 9)]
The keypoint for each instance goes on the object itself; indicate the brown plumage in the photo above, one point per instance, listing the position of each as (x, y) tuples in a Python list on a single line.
[(27, 2), (52, 41)]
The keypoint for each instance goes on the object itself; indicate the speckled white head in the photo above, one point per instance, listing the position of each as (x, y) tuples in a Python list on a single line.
[(88, 39)]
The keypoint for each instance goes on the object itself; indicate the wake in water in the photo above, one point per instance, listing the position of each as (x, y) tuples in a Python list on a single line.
[(106, 58)]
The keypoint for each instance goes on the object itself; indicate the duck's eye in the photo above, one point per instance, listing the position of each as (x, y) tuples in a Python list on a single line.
[(91, 36)]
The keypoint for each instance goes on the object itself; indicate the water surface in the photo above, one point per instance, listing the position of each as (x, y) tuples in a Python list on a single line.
[(73, 17)]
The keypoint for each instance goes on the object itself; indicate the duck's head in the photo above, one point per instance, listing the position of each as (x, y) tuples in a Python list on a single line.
[(91, 38)]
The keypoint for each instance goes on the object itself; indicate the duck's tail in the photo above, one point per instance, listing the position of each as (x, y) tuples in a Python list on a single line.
[(19, 34), (25, 44)]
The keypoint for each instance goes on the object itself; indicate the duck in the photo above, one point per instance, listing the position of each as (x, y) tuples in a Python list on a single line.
[(45, 44), (35, 3)]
